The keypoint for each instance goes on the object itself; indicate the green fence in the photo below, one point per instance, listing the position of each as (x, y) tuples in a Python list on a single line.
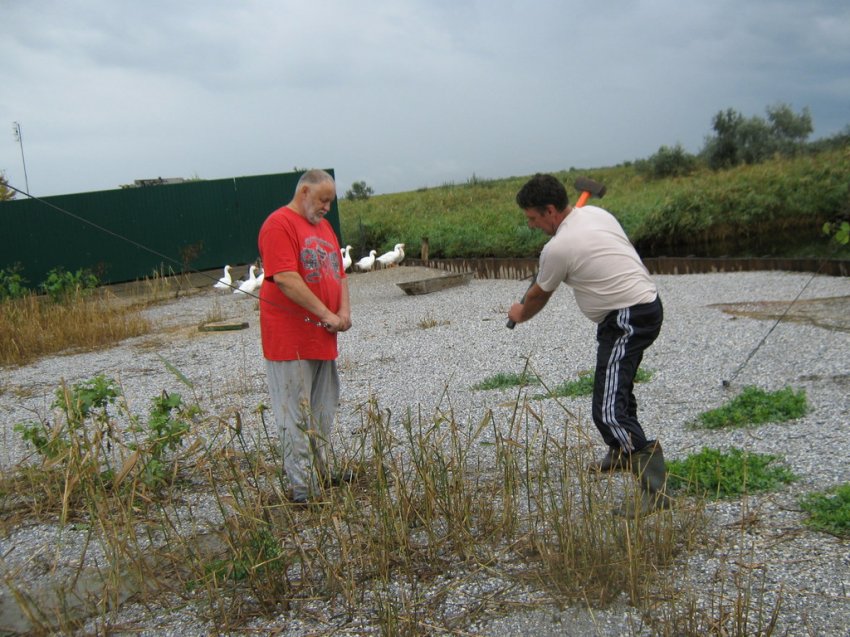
[(128, 234)]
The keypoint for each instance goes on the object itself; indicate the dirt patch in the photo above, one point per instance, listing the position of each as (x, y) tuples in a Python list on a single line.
[(831, 313)]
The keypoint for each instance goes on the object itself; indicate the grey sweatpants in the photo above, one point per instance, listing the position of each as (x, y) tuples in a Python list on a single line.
[(305, 397)]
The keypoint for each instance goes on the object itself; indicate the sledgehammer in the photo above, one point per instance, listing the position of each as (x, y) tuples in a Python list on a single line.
[(588, 188)]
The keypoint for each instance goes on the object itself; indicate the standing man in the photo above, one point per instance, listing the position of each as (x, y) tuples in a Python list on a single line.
[(590, 252), (304, 303)]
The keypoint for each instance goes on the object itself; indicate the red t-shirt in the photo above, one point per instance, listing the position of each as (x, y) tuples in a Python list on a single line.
[(290, 243)]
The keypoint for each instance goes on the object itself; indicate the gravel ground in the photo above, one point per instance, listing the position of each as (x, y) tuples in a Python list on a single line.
[(390, 354)]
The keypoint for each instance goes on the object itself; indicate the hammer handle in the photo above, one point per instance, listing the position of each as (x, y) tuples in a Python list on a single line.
[(511, 324), (582, 199)]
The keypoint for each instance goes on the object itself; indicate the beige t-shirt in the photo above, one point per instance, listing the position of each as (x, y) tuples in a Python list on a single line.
[(591, 253)]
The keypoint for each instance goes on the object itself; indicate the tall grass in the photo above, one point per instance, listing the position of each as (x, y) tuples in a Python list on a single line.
[(404, 549), (750, 209), (33, 326)]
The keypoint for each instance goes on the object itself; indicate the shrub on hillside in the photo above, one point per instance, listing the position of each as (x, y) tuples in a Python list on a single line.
[(668, 162)]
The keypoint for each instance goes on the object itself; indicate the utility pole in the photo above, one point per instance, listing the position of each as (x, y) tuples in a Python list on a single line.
[(16, 128)]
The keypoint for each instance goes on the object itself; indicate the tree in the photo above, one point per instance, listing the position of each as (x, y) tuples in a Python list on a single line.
[(788, 129), (721, 151), (359, 191), (741, 140), (6, 193)]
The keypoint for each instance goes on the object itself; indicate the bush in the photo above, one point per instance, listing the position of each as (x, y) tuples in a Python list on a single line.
[(12, 284), (669, 162), (61, 285)]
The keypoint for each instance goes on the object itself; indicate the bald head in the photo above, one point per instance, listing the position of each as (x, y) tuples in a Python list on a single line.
[(314, 178), (314, 194)]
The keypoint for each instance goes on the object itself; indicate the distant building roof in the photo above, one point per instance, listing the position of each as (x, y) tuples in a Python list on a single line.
[(156, 181)]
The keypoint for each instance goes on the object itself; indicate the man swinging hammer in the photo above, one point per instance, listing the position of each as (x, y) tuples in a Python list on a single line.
[(590, 252)]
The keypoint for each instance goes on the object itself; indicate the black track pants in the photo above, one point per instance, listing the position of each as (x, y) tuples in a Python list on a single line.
[(622, 337)]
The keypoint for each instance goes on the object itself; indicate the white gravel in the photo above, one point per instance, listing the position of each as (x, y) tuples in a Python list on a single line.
[(389, 353)]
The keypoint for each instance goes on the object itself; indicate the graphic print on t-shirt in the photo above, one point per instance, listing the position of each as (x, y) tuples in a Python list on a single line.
[(317, 256)]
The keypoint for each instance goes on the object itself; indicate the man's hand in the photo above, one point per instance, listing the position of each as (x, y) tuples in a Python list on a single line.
[(293, 286), (533, 301), (515, 313), (336, 323)]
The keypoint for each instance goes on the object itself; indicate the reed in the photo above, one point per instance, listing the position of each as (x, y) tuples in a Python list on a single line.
[(33, 326), (439, 508)]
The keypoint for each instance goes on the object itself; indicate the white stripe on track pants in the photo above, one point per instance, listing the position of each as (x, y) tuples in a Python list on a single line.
[(622, 338)]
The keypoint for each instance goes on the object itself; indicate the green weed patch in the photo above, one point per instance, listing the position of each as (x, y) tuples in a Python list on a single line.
[(507, 380), (754, 406), (716, 474), (829, 511), (583, 385)]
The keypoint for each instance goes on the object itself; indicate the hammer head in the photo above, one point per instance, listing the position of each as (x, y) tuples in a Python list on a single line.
[(585, 184)]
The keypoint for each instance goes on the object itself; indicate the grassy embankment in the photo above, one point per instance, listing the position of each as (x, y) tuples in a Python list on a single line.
[(776, 208)]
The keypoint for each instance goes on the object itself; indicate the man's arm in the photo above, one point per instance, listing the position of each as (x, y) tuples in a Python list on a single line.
[(344, 312), (293, 286), (535, 300)]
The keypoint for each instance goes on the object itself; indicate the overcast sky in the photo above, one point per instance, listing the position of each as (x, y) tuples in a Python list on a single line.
[(401, 94)]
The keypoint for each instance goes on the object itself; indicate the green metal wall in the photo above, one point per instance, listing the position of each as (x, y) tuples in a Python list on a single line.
[(198, 225)]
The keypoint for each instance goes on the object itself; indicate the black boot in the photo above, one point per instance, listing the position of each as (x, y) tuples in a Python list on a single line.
[(614, 460), (648, 466)]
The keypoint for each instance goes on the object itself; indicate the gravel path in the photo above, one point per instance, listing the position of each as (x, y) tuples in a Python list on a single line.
[(419, 350)]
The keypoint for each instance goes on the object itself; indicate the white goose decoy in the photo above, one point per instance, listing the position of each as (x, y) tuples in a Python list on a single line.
[(346, 258), (365, 264), (248, 285), (224, 282), (392, 257)]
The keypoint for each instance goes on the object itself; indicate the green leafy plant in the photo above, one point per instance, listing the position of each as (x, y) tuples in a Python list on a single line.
[(506, 380), (77, 450), (718, 474), (86, 397), (12, 283), (258, 555), (829, 510), (61, 285), (583, 385), (754, 406), (41, 436), (169, 421), (90, 397), (82, 446), (839, 231)]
